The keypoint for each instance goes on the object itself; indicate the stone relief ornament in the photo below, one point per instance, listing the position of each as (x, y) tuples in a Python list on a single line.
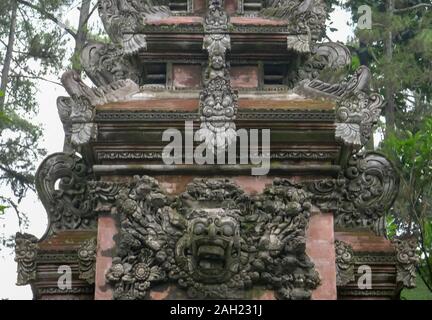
[(61, 183), (123, 18), (214, 241), (344, 263), (218, 101), (407, 261), (363, 194), (77, 113), (306, 20), (87, 260), (25, 257), (106, 63), (357, 111)]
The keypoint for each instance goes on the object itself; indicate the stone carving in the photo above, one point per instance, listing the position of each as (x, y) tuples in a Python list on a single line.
[(361, 197), (25, 256), (357, 110), (306, 20), (344, 263), (61, 183), (407, 261), (214, 240), (123, 18), (218, 101), (106, 63), (87, 260), (330, 55), (77, 113)]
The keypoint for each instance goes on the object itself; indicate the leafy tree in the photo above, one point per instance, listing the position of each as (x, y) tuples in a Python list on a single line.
[(413, 208), (33, 42)]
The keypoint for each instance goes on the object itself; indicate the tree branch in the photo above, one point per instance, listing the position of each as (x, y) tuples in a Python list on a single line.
[(417, 6), (49, 16)]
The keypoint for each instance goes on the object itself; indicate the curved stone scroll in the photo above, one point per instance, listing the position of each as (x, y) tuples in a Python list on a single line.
[(61, 183), (357, 111), (362, 196), (214, 241)]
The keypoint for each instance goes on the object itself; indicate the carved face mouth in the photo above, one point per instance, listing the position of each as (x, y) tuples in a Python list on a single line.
[(210, 257)]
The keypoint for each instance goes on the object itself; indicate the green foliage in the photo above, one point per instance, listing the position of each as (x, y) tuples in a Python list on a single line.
[(412, 212)]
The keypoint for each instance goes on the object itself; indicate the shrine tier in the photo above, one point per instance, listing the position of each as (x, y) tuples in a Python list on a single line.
[(131, 217)]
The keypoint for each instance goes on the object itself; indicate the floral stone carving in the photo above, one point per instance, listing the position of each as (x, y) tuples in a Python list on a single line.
[(344, 263), (407, 261), (87, 260), (214, 241)]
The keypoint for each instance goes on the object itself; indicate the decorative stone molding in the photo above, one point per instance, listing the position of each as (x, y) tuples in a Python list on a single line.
[(407, 261), (77, 112), (213, 240), (344, 263), (364, 193), (87, 260), (25, 255), (61, 183)]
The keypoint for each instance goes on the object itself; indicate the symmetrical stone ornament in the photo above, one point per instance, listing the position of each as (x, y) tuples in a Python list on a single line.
[(87, 260), (407, 261), (25, 257), (218, 101), (362, 196), (214, 240), (344, 263)]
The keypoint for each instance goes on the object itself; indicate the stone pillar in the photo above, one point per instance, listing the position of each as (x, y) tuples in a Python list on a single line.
[(107, 230), (320, 248)]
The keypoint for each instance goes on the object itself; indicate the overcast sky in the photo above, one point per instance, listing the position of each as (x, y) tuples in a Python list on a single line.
[(53, 142)]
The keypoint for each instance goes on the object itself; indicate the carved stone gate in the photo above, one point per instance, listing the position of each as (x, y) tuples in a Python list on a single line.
[(131, 226)]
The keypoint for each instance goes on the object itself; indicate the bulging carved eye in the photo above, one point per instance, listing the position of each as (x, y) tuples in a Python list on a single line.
[(228, 230), (199, 229)]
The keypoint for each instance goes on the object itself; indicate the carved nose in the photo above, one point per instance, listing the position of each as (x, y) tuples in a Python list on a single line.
[(212, 231)]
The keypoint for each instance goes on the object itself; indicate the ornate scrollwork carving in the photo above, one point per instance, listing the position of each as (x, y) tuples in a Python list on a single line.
[(77, 113), (123, 18), (361, 197), (344, 263), (105, 64), (306, 20), (25, 256), (61, 182), (87, 260), (357, 111), (213, 240), (407, 261)]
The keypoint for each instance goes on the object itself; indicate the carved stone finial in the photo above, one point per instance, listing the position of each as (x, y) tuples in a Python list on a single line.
[(87, 260), (25, 255), (344, 263), (407, 261)]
